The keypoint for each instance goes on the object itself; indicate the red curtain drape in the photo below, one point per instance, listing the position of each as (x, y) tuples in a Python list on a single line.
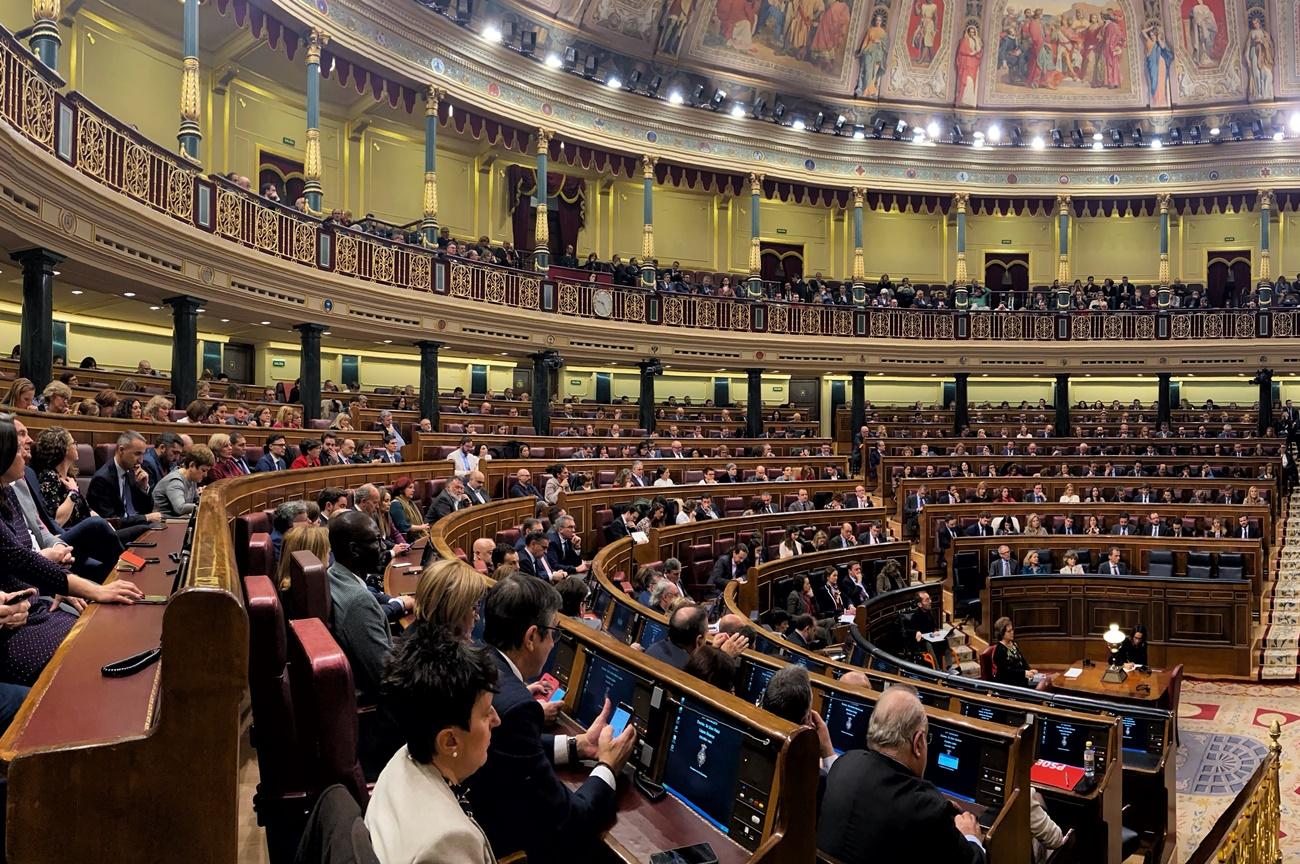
[(570, 192), (781, 262)]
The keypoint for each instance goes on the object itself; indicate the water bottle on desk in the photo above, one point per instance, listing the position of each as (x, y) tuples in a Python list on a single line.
[(1089, 762)]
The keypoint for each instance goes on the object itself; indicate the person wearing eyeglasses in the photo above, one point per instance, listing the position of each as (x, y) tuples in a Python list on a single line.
[(516, 796)]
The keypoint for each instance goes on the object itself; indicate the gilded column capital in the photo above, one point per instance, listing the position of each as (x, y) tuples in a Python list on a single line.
[(1165, 201), (1265, 198), (755, 184), (1063, 203), (45, 10), (648, 164), (859, 196), (432, 99), (961, 200), (316, 40), (544, 137)]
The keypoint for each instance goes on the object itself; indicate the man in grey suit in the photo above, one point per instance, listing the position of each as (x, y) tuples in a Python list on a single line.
[(802, 504), (357, 621), (476, 488)]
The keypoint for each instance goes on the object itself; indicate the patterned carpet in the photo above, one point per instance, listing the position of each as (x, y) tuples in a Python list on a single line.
[(1224, 736)]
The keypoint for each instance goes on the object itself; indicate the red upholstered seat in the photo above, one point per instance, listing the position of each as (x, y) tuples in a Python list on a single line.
[(701, 564), (986, 663), (325, 707), (604, 478), (733, 506), (694, 476), (281, 800), (257, 522), (309, 587), (103, 453), (86, 460), (456, 428), (261, 556), (508, 535)]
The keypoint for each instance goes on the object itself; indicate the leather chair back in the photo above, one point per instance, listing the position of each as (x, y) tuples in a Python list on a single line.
[(257, 522), (86, 460), (261, 556), (325, 706), (309, 588), (986, 663)]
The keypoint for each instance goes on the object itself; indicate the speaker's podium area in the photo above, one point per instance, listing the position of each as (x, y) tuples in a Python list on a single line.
[(710, 433)]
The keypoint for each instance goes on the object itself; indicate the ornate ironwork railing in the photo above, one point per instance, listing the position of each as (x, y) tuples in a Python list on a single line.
[(106, 151), (1247, 832)]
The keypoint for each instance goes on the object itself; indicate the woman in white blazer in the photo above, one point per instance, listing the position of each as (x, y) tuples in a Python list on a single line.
[(439, 691)]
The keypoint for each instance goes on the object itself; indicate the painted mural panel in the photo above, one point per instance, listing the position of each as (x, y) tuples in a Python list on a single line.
[(1207, 49), (808, 41), (1261, 57), (919, 64), (873, 55), (1286, 70), (1067, 53), (629, 19)]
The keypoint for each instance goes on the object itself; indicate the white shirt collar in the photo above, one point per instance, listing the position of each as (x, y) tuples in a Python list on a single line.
[(511, 664)]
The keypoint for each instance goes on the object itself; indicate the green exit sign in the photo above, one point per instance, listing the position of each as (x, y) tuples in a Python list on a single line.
[(289, 141), (1006, 242), (575, 382), (781, 231), (278, 364), (1229, 239)]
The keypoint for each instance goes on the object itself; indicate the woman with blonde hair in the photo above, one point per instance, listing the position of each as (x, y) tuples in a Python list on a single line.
[(305, 537), (1034, 526), (448, 594), (284, 417), (158, 409), (342, 422), (1070, 496), (21, 395)]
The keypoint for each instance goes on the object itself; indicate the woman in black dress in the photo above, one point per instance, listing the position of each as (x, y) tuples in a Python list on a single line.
[(1009, 665)]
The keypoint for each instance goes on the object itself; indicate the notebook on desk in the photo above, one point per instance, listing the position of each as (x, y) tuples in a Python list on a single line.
[(940, 635), (1055, 774)]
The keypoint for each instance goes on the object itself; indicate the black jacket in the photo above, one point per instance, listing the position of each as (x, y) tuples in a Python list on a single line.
[(104, 496), (876, 810)]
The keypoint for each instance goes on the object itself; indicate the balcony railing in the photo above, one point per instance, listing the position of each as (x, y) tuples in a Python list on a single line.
[(106, 151)]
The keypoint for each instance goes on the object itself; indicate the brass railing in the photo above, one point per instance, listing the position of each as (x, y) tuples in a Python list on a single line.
[(101, 148), (1247, 832)]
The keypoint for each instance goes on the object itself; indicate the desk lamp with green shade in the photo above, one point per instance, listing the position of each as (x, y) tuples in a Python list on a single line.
[(1114, 673)]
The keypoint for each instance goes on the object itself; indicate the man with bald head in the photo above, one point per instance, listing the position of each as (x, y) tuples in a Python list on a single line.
[(878, 806), (481, 558)]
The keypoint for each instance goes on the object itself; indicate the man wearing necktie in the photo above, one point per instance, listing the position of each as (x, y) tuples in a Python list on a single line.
[(463, 458), (1004, 564), (273, 460), (1114, 566)]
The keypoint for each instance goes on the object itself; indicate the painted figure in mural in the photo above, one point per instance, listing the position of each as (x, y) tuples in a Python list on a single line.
[(832, 31), (773, 11), (1158, 56), (1113, 41), (875, 47), (925, 30), (800, 18), (970, 50), (1202, 31), (1033, 38), (736, 20), (670, 39), (1092, 67), (1259, 60), (1069, 45)]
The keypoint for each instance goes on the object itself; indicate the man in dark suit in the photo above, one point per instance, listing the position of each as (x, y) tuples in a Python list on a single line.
[(273, 459), (705, 510), (449, 500), (621, 525), (877, 807), (982, 527), (852, 588), (732, 565), (517, 797), (476, 488), (1005, 564), (845, 538), (562, 551), (688, 629), (1123, 528), (1112, 566), (1155, 527), (873, 536), (803, 631), (120, 488), (160, 458), (1067, 527), (1036, 495), (947, 533), (913, 506), (523, 486), (1245, 530), (532, 558), (858, 498), (637, 476), (1142, 495)]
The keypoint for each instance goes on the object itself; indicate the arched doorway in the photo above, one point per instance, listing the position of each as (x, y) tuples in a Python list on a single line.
[(1006, 276), (1227, 276), (781, 262)]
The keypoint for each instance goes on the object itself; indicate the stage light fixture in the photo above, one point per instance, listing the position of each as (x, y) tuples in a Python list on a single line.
[(1156, 143), (1234, 129), (956, 136), (1214, 132), (719, 96), (798, 125), (758, 108), (570, 59), (900, 130), (614, 82), (1038, 143), (1194, 133), (819, 121), (838, 128), (590, 66), (1117, 137), (1257, 129), (1137, 136), (697, 95), (778, 113), (859, 132), (528, 42), (995, 133), (878, 129), (676, 98), (738, 111), (655, 83), (1017, 137), (1058, 140), (553, 60), (491, 33), (1076, 137), (634, 80), (1175, 135)]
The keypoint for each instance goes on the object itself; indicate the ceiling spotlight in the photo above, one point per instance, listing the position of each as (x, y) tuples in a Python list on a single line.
[(633, 80), (719, 96), (1076, 137), (154, 308), (589, 66), (738, 111), (553, 60), (1058, 140), (264, 323), (491, 33), (1156, 143), (1038, 143), (1278, 134), (570, 58), (77, 292), (1096, 136), (1257, 129), (1017, 137), (878, 129), (758, 108), (798, 125), (1295, 121), (1234, 129), (819, 121), (676, 97), (1175, 135), (1137, 136), (900, 128), (778, 113), (128, 293), (995, 133), (614, 82), (655, 83), (932, 129), (528, 42), (859, 132), (956, 136), (1214, 132), (1194, 133), (838, 128), (1097, 145), (1117, 137)]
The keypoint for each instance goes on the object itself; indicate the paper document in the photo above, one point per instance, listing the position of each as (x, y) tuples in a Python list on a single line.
[(939, 635), (1073, 673)]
